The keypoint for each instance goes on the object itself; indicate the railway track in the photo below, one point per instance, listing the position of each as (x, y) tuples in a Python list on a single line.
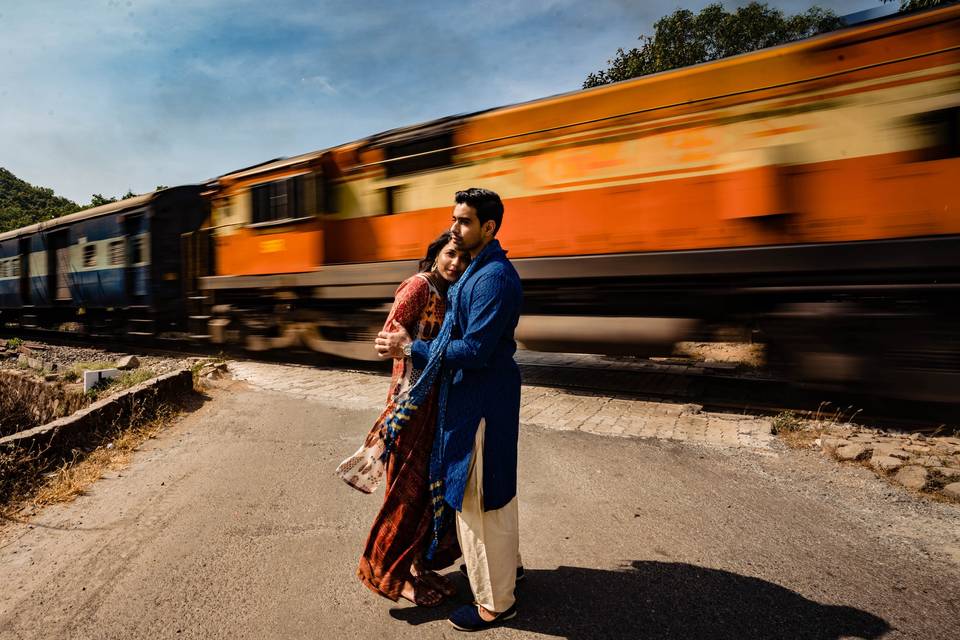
[(721, 387)]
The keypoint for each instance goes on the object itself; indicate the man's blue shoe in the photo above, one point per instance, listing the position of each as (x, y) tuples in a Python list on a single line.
[(467, 618)]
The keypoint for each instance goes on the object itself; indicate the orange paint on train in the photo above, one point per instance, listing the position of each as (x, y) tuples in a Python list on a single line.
[(846, 200), (293, 249)]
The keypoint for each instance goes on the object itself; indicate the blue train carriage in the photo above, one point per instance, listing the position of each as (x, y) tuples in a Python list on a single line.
[(114, 268)]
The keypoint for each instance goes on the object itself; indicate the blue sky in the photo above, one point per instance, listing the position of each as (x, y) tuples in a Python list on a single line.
[(101, 96)]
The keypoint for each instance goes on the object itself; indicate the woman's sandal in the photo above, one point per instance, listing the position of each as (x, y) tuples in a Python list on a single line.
[(424, 595), (438, 583)]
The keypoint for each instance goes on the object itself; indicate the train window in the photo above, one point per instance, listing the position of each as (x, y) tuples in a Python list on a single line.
[(391, 204), (278, 200), (421, 154), (136, 250), (940, 134), (90, 255), (4, 268), (116, 253), (15, 267)]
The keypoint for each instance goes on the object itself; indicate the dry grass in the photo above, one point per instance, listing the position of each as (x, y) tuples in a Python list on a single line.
[(800, 431), (37, 487)]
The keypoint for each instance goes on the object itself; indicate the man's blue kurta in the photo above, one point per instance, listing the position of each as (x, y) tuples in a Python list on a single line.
[(485, 381)]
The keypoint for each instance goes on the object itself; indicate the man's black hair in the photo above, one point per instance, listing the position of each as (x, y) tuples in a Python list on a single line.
[(486, 202)]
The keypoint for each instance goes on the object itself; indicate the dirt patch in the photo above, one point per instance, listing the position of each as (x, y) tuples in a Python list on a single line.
[(748, 355)]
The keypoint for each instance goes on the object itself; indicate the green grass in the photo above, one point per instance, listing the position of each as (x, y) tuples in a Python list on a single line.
[(123, 381), (75, 372), (13, 343)]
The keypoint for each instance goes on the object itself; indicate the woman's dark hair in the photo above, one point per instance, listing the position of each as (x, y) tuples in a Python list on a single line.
[(433, 250)]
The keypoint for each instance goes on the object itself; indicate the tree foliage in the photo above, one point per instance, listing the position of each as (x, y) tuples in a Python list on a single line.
[(917, 5), (22, 204), (685, 38)]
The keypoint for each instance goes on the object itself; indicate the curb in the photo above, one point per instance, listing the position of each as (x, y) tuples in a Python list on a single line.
[(62, 435)]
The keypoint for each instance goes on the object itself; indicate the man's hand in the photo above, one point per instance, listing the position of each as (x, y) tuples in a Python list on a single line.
[(389, 344)]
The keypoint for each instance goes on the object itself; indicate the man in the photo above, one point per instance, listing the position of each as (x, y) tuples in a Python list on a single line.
[(483, 411)]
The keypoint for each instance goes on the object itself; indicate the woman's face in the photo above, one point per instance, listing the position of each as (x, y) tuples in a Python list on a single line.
[(451, 262)]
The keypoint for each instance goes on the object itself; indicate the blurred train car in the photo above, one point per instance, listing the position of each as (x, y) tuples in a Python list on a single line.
[(805, 194), (114, 268)]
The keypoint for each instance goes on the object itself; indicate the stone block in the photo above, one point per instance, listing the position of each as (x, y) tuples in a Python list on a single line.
[(852, 451), (885, 463), (952, 490), (128, 362), (912, 477), (92, 378)]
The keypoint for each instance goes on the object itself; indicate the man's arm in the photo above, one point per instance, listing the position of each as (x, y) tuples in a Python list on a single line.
[(491, 309)]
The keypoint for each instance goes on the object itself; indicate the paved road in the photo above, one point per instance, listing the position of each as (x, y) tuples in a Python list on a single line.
[(231, 525)]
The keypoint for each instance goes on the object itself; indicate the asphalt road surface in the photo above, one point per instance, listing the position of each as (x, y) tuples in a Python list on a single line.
[(232, 525)]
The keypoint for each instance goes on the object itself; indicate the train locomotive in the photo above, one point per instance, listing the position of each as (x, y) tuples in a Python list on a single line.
[(803, 195)]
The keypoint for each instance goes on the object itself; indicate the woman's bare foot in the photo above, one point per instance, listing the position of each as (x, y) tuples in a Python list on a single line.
[(439, 583), (421, 594)]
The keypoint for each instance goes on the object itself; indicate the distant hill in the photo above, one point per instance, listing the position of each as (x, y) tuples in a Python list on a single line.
[(23, 204)]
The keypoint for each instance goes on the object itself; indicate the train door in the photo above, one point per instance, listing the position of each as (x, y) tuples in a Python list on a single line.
[(136, 277), (59, 261), (25, 298)]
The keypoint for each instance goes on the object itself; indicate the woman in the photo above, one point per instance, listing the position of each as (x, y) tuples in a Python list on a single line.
[(392, 563)]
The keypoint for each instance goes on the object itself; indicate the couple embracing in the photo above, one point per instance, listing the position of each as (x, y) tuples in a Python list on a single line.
[(446, 444)]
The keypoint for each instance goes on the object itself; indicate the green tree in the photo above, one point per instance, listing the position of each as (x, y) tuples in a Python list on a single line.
[(129, 194), (684, 38), (98, 199), (22, 204), (916, 5)]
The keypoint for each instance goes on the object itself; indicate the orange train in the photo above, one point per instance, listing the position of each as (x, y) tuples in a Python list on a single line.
[(806, 194)]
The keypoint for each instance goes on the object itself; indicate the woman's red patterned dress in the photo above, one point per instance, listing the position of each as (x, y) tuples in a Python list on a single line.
[(400, 531)]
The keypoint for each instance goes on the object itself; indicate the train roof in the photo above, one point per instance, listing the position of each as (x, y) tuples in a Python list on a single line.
[(85, 214)]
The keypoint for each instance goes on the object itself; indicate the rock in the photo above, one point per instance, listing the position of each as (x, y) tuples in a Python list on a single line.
[(51, 377), (128, 362), (928, 461), (947, 472), (852, 451), (912, 477), (952, 490), (917, 449), (892, 449), (885, 463), (830, 443)]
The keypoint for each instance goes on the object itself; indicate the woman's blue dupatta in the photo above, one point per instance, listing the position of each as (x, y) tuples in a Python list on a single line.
[(406, 407)]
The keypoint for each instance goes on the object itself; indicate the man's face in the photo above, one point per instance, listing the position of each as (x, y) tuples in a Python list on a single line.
[(466, 230)]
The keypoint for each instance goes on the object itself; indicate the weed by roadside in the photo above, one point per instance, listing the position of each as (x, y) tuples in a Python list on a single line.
[(14, 343), (800, 430), (75, 372)]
